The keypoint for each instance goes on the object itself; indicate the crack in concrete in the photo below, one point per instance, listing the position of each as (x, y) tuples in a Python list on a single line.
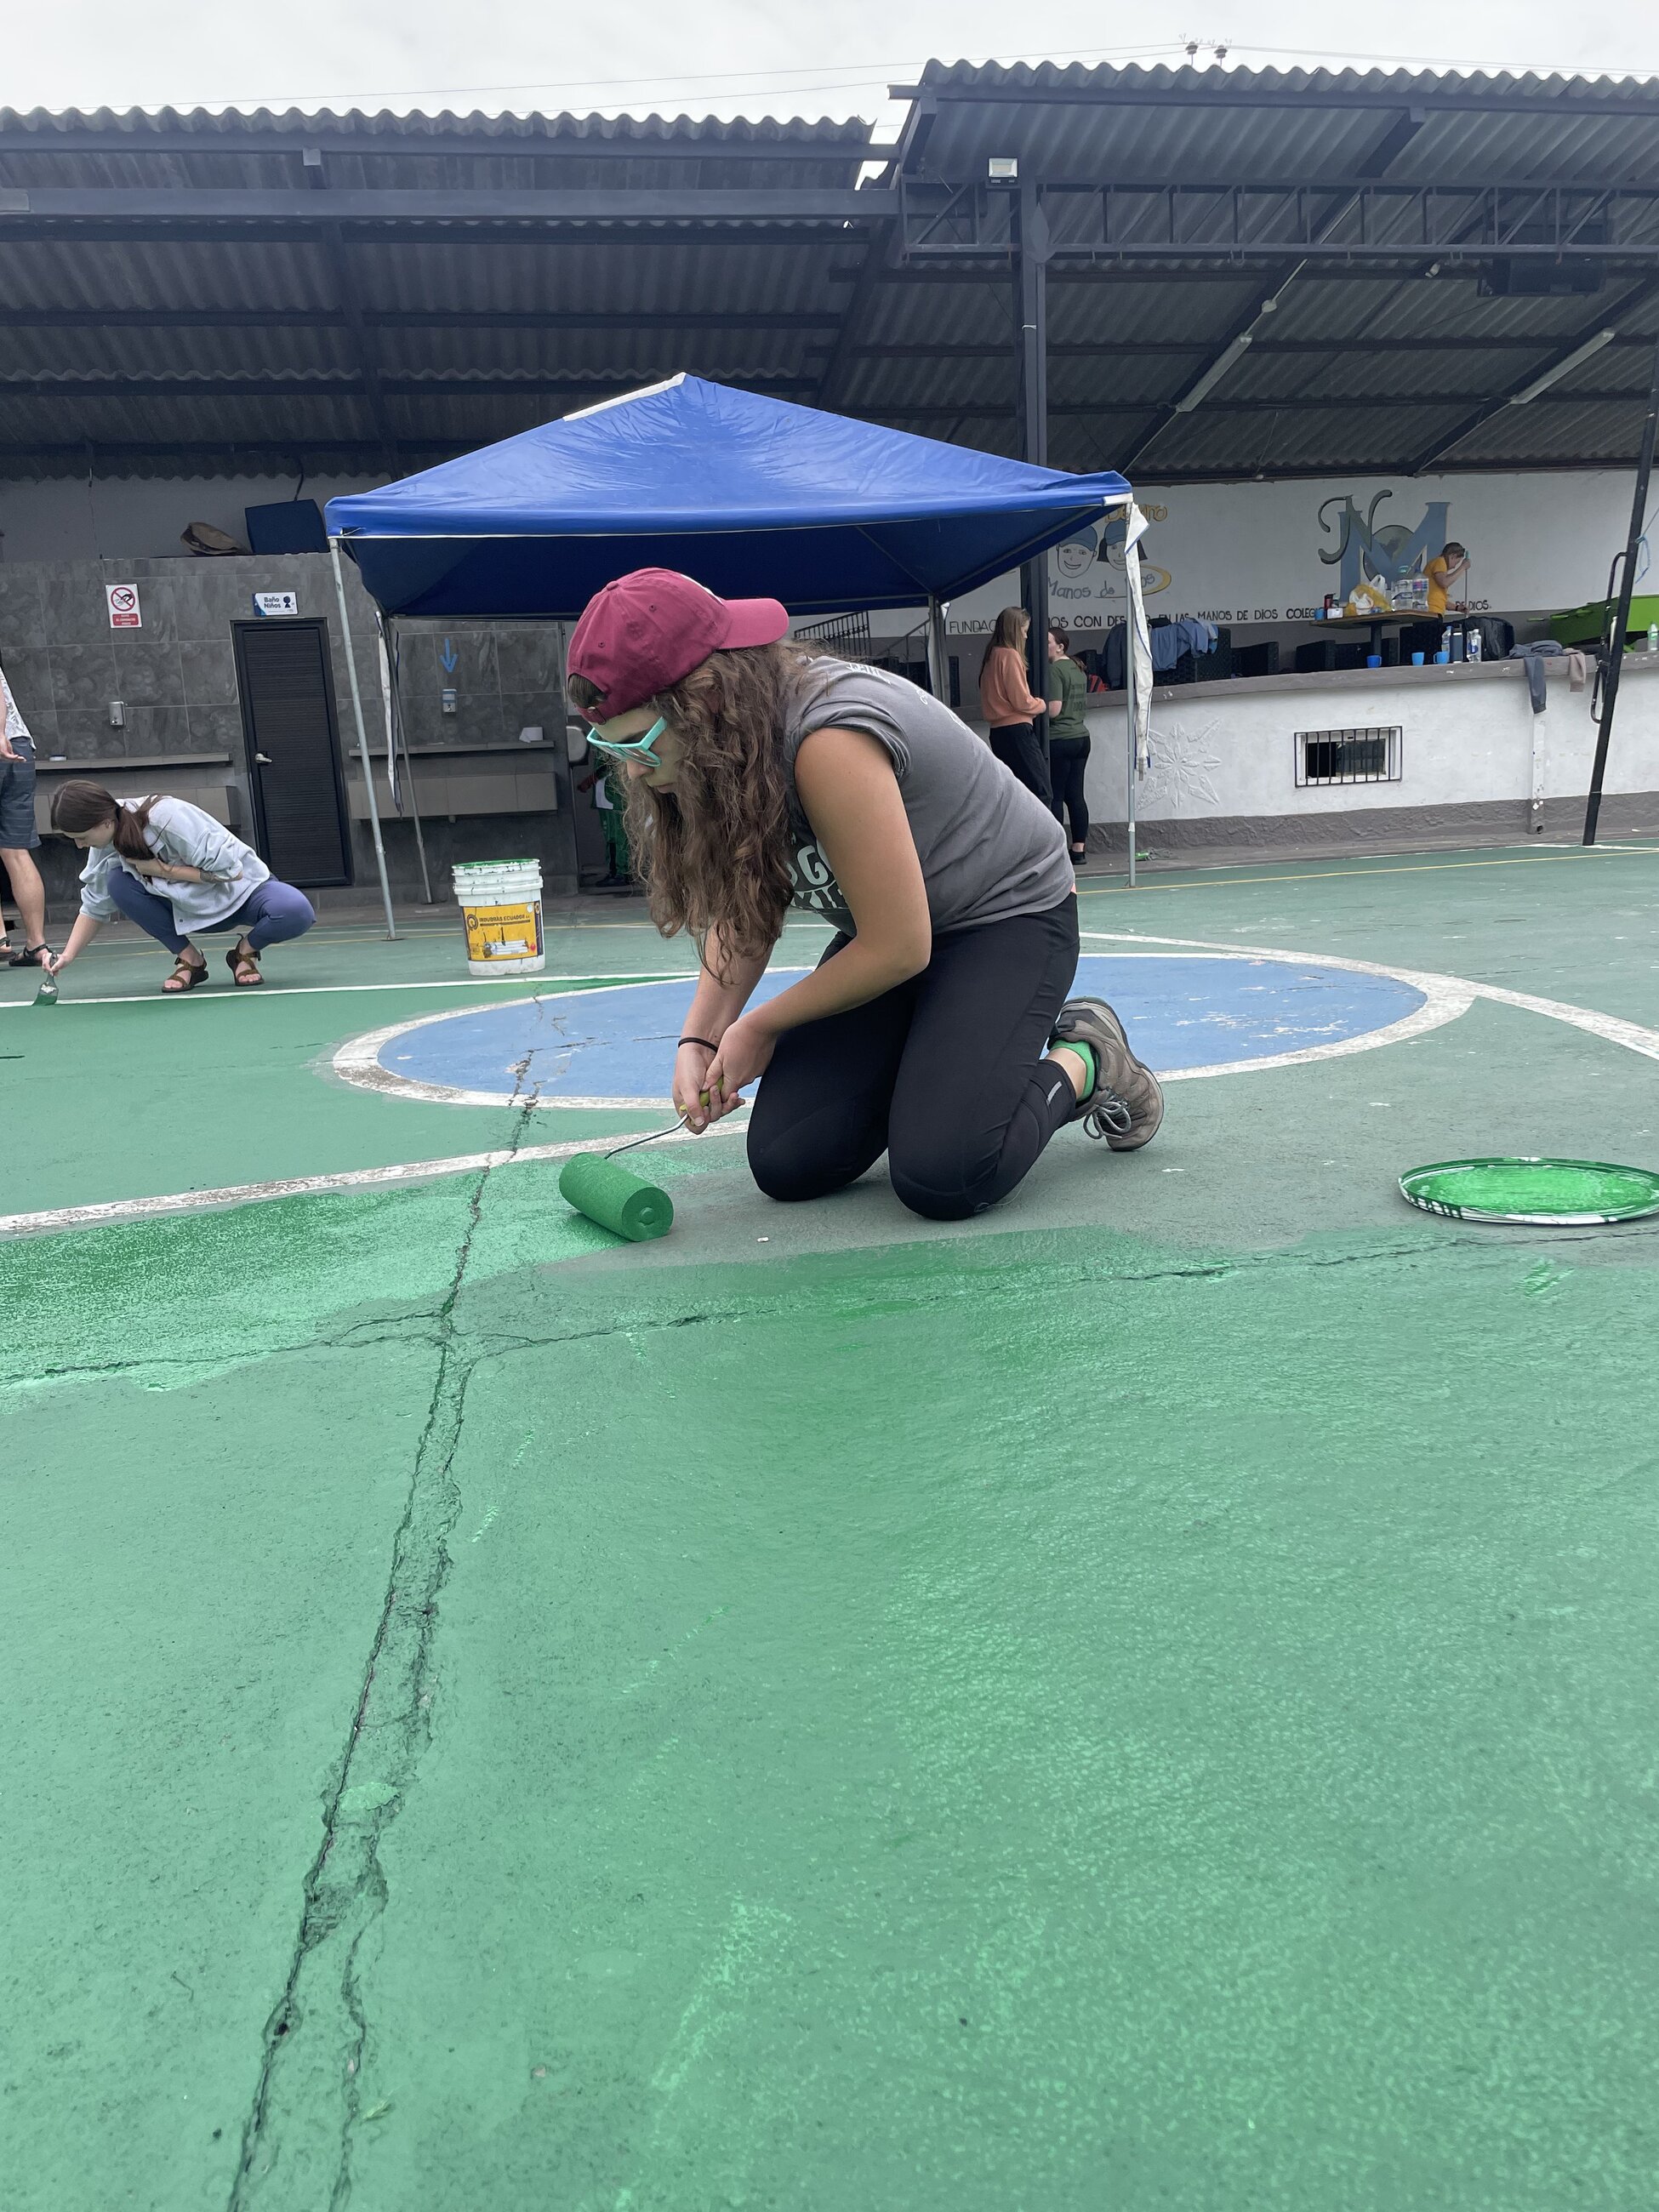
[(316, 2036), (359, 1336)]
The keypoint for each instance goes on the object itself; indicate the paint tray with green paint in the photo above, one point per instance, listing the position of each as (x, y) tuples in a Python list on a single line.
[(1544, 1193)]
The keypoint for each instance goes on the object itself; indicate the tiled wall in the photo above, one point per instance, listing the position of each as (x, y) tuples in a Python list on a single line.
[(176, 679)]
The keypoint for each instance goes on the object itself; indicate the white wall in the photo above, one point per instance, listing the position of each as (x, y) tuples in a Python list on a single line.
[(1242, 553), (1469, 736), (131, 517)]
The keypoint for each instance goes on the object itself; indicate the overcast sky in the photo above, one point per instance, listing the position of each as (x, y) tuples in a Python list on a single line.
[(724, 57)]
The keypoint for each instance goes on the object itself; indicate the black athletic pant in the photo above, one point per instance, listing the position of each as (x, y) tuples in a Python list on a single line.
[(943, 1074), (1018, 747), (1068, 761)]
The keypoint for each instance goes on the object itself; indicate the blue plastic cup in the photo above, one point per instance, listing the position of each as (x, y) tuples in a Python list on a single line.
[(1373, 660), (1441, 659), (1417, 660)]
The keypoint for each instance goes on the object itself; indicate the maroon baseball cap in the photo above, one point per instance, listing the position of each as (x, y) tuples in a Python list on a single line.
[(642, 634)]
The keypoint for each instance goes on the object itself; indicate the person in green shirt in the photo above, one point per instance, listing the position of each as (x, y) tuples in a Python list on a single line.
[(1068, 740)]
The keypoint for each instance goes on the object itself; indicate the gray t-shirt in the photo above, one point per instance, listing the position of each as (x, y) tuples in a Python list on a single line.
[(988, 848)]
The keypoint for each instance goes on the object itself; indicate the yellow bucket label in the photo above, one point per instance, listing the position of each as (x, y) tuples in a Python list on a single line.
[(503, 932)]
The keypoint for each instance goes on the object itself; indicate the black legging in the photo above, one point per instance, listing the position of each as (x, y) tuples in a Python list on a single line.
[(1069, 758), (1018, 747), (943, 1074)]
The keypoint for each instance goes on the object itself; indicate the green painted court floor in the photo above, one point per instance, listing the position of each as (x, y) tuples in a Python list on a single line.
[(1145, 1700)]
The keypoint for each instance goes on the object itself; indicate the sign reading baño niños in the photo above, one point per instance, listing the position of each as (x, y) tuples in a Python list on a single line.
[(1270, 552)]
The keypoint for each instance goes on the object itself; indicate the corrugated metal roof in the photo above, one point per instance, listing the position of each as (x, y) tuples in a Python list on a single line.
[(1194, 126), (480, 328)]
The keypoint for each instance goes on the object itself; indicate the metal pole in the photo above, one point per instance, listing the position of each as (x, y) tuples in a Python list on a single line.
[(1614, 635), (362, 734), (1129, 722), (1031, 316), (399, 736), (938, 665)]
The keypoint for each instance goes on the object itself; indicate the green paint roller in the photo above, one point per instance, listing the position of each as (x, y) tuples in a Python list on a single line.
[(615, 1199)]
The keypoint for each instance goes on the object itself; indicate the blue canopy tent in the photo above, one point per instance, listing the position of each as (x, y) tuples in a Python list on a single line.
[(751, 496)]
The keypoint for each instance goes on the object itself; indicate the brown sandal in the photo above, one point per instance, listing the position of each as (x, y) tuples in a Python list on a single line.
[(244, 967), (187, 975)]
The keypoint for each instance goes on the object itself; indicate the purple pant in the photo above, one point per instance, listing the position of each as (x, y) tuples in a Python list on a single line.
[(275, 911)]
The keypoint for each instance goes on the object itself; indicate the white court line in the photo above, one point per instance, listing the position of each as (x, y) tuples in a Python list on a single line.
[(1630, 1036), (246, 1194), (531, 984), (1611, 1028)]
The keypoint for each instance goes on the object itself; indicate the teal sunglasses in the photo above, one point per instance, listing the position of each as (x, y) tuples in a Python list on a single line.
[(639, 747)]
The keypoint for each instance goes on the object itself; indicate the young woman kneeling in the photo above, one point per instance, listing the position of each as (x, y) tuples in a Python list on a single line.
[(206, 880), (936, 1027)]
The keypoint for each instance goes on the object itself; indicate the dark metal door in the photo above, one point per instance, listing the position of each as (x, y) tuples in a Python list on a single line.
[(293, 737)]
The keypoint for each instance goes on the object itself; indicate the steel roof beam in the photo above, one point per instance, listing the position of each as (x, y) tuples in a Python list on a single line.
[(1159, 348), (1393, 142), (1238, 223), (1351, 181), (459, 384), (798, 237), (282, 453), (854, 316), (245, 204), (348, 297), (465, 385), (395, 318), (1360, 403), (1241, 256), (280, 456), (1632, 302), (1247, 90), (435, 145)]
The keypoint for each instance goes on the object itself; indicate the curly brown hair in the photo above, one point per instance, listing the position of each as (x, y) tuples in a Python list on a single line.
[(714, 852)]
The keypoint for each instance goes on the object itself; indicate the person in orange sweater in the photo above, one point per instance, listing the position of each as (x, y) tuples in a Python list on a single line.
[(1006, 701)]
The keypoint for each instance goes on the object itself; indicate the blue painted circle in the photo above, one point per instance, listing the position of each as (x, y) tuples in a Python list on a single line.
[(618, 1042)]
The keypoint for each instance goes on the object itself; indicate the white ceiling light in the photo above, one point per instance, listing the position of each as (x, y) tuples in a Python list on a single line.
[(1214, 375), (1563, 367)]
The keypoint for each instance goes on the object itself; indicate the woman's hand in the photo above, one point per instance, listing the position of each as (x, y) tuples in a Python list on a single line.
[(691, 1064), (52, 962), (744, 1055)]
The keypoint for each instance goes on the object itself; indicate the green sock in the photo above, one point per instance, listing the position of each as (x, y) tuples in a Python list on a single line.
[(1085, 1053)]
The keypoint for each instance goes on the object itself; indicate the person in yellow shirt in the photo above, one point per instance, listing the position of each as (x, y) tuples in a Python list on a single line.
[(1445, 574)]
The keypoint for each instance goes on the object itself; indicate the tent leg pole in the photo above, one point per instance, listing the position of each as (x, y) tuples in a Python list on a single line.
[(400, 737), (1031, 320), (938, 668), (1129, 731), (1613, 635), (363, 735)]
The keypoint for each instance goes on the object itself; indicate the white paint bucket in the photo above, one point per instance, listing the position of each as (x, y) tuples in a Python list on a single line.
[(501, 903)]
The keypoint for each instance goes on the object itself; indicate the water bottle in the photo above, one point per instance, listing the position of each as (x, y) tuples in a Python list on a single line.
[(1653, 637), (1474, 641)]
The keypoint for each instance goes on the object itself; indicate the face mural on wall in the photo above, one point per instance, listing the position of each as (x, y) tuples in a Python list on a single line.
[(1075, 556)]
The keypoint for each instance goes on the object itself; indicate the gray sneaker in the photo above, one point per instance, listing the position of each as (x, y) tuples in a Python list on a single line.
[(1127, 1104)]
